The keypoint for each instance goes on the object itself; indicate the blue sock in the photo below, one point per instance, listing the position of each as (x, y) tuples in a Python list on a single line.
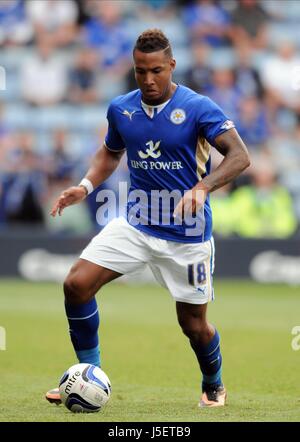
[(210, 361), (84, 323)]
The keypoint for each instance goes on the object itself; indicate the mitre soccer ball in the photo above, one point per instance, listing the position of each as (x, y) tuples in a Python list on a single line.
[(84, 388)]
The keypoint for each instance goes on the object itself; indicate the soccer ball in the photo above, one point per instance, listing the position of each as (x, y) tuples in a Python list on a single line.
[(84, 388)]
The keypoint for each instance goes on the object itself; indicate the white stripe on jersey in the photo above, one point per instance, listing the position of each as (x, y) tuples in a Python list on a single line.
[(150, 109)]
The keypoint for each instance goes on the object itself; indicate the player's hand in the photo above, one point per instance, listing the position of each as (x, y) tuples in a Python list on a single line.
[(190, 204), (70, 196)]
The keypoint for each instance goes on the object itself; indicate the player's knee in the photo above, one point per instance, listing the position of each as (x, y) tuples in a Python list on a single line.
[(76, 290), (195, 332)]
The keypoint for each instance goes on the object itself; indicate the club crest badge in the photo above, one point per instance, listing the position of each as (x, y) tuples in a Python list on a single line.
[(178, 116)]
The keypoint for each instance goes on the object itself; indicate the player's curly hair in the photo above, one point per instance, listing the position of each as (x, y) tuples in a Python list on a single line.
[(153, 40)]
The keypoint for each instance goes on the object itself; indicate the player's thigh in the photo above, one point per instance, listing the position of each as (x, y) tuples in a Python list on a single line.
[(118, 247), (186, 270)]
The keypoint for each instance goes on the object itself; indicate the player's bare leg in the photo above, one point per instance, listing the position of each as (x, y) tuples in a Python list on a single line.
[(80, 287), (84, 280), (204, 340)]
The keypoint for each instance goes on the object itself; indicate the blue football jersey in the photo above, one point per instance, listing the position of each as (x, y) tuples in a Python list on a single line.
[(167, 155)]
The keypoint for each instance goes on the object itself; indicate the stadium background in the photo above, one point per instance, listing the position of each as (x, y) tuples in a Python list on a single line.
[(61, 63)]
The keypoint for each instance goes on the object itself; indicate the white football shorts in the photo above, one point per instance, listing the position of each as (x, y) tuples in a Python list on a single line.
[(185, 269)]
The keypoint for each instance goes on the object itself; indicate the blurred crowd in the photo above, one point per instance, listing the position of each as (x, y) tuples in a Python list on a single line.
[(62, 61)]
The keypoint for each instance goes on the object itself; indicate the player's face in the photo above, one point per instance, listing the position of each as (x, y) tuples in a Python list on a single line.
[(153, 74)]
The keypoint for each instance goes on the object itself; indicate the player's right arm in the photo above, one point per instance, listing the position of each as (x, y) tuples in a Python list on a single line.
[(102, 166)]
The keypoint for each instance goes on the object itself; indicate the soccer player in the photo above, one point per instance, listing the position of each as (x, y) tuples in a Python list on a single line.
[(167, 131)]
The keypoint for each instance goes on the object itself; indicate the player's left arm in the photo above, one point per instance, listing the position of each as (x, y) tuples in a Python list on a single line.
[(236, 159)]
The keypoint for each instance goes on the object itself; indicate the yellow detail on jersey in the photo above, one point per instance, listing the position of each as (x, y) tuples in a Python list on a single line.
[(202, 155)]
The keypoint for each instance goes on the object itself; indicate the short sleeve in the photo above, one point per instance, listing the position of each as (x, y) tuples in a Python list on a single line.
[(212, 121), (113, 139)]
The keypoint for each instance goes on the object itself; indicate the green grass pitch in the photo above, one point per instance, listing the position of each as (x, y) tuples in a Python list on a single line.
[(154, 374)]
